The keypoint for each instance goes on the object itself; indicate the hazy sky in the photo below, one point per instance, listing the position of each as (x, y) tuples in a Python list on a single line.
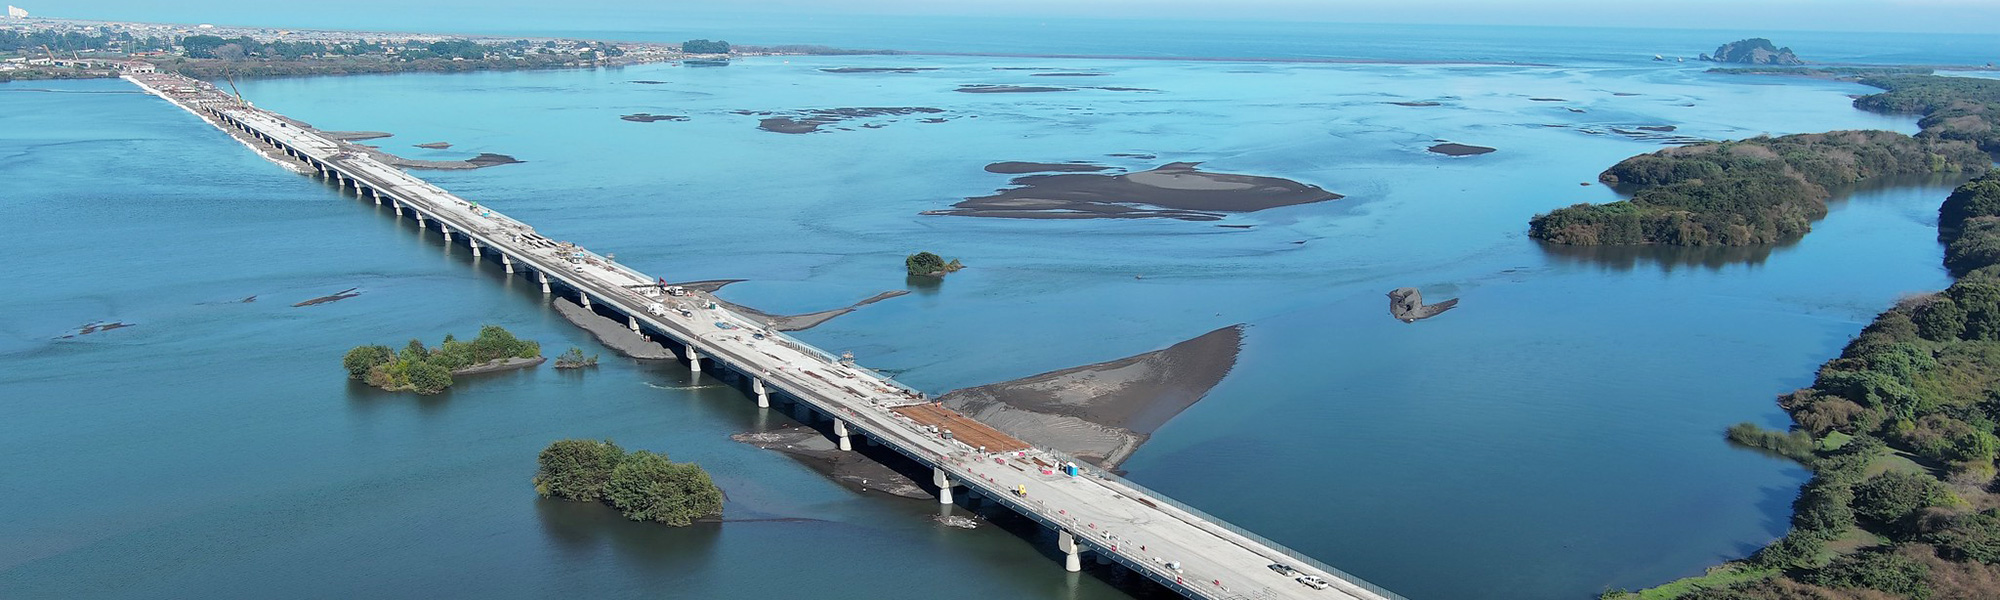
[(1959, 16)]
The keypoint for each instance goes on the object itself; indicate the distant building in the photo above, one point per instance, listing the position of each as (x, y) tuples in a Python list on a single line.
[(16, 12), (136, 67)]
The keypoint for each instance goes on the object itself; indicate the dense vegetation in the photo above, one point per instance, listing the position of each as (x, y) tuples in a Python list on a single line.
[(705, 47), (642, 485), (573, 358), (1757, 191), (34, 43), (1954, 108), (926, 264), (1766, 190), (428, 370), (1901, 431), (1755, 51)]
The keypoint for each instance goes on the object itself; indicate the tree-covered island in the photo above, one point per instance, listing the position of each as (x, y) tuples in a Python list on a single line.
[(1766, 190), (642, 485), (925, 264), (426, 370)]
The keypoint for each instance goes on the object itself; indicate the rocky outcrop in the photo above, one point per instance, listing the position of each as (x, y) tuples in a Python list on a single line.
[(1753, 51)]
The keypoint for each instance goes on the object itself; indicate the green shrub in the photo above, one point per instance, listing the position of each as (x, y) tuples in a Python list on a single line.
[(648, 487), (576, 469), (1893, 498), (1876, 570)]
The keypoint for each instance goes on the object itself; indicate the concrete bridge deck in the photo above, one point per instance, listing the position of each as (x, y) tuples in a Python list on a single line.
[(1183, 549)]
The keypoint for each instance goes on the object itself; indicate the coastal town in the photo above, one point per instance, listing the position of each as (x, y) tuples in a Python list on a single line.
[(54, 48)]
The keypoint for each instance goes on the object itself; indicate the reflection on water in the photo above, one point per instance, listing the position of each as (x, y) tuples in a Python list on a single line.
[(1667, 258)]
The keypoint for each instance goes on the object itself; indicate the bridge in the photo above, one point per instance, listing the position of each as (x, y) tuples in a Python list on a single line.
[(1117, 521)]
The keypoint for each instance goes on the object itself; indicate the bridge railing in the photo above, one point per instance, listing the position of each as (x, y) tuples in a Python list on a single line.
[(1153, 496)]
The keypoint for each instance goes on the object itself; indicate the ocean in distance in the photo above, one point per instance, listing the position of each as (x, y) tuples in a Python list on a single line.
[(1557, 434)]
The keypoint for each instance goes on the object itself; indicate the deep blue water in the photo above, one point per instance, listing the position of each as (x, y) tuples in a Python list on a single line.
[(1557, 434)]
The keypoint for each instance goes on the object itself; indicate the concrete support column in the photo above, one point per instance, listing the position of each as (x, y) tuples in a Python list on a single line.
[(1067, 544), (633, 322), (447, 231), (545, 284), (475, 246), (694, 360), (840, 429), (378, 196), (763, 396), (943, 483), (420, 221), (507, 261), (399, 209), (586, 299)]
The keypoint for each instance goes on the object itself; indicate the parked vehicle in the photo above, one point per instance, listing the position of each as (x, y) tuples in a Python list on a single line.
[(1284, 570), (1313, 581)]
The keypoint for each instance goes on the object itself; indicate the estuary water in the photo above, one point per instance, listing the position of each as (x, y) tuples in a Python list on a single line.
[(1557, 434)]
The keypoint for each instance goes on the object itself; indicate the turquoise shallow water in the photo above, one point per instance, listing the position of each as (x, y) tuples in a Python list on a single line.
[(1557, 434)]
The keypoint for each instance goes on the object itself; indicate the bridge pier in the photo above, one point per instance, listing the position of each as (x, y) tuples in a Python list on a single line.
[(632, 322), (475, 246), (447, 231), (545, 283), (763, 396), (399, 209), (420, 222), (1067, 544), (840, 429), (943, 483), (377, 194), (586, 299), (694, 361), (507, 261)]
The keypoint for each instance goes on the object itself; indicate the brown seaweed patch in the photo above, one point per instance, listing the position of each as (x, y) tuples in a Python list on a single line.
[(1455, 149), (1172, 191)]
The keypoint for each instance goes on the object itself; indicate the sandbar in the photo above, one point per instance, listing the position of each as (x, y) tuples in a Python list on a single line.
[(1019, 167), (435, 145), (1068, 74), (878, 69), (1455, 149), (613, 334), (810, 120), (1416, 103), (1010, 89), (799, 322), (1174, 191), (812, 449), (334, 297), (1102, 412), (649, 117)]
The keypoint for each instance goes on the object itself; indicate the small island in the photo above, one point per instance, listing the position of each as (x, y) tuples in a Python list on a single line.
[(1753, 51), (424, 370), (642, 485), (1768, 190), (574, 359), (925, 264)]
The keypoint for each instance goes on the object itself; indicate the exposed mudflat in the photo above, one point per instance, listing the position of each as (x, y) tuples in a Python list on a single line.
[(1010, 89), (1417, 103), (334, 297), (496, 366), (1103, 412), (798, 322), (1453, 149), (878, 69), (1017, 167), (435, 145), (649, 117), (1173, 191), (849, 468), (353, 136), (613, 334)]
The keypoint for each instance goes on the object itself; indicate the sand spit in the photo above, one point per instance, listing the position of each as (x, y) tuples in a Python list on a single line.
[(483, 160), (355, 136), (812, 449), (1658, 128), (435, 145), (1175, 191), (1010, 89), (799, 322), (496, 366), (810, 120), (1103, 412), (1454, 149), (613, 334), (649, 117), (878, 69), (334, 297), (1019, 168)]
